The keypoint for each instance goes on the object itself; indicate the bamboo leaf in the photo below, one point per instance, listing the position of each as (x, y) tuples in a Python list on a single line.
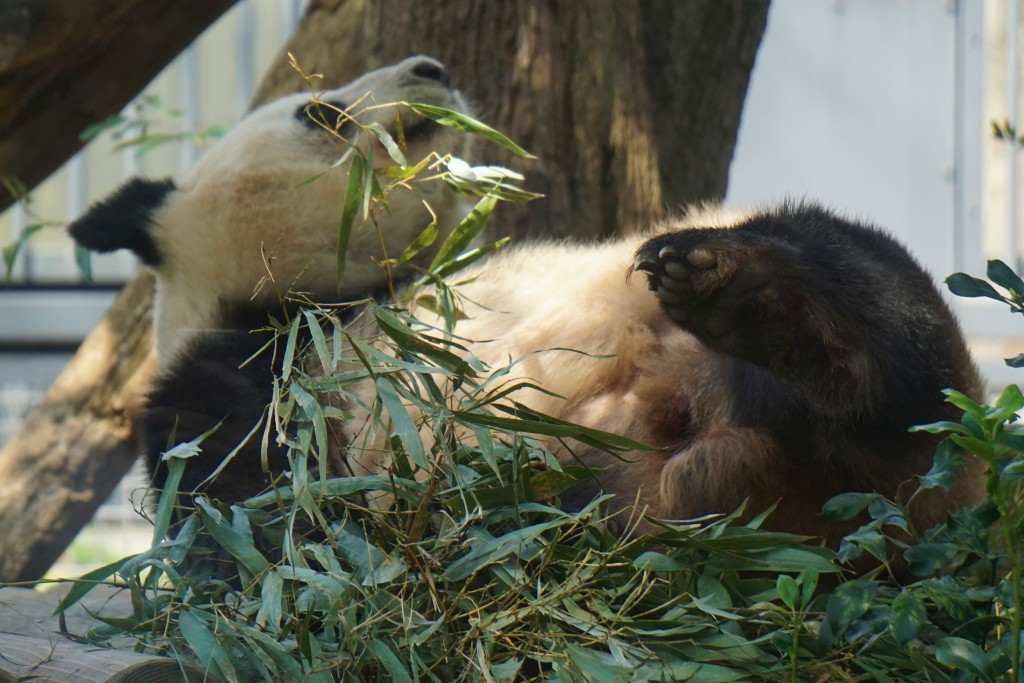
[(390, 661), (426, 238), (11, 251), (83, 259), (349, 210), (89, 580), (518, 542), (340, 488), (95, 129), (419, 343), (289, 349), (467, 124), (468, 258), (168, 498), (964, 655), (270, 612), (319, 341), (388, 143), (198, 635), (240, 547), (403, 423), (465, 232), (533, 422)]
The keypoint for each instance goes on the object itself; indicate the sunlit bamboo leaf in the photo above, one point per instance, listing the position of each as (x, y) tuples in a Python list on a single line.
[(388, 143), (465, 232), (460, 121)]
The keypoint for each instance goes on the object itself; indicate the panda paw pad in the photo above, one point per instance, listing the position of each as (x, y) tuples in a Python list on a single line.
[(701, 286)]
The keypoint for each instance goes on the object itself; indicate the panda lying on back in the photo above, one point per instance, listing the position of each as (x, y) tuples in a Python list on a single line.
[(778, 355)]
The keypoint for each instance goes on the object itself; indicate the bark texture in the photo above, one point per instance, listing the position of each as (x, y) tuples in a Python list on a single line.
[(75, 446), (632, 108), (67, 65)]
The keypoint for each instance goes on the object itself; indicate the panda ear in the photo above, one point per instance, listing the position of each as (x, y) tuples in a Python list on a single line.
[(123, 220)]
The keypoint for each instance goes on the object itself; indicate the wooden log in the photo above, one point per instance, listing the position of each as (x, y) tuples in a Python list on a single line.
[(33, 648), (58, 660)]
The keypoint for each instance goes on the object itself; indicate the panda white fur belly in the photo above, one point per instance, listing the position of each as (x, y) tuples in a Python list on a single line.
[(770, 356)]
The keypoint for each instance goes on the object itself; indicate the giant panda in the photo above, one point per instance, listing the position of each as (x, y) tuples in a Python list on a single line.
[(774, 356)]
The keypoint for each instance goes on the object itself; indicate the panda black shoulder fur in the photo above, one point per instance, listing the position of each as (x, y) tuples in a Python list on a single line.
[(776, 355)]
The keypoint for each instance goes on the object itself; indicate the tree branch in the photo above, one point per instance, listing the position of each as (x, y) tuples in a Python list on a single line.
[(67, 65)]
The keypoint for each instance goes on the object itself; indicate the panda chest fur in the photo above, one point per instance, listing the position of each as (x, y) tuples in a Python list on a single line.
[(576, 326)]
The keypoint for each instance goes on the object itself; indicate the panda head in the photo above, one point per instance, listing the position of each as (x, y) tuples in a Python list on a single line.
[(250, 218)]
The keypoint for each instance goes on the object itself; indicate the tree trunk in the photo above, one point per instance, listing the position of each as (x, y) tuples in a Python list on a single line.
[(632, 108), (67, 65)]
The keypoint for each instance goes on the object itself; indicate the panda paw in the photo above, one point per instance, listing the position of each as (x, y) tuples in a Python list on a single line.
[(705, 282)]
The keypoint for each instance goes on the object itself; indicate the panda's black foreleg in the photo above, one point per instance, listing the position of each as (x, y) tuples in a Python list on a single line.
[(834, 315), (828, 342), (750, 299)]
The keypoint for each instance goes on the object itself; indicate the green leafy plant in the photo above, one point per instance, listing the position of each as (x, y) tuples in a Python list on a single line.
[(963, 612), (1001, 275), (149, 124)]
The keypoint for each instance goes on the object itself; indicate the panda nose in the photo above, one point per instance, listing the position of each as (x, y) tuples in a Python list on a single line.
[(433, 71)]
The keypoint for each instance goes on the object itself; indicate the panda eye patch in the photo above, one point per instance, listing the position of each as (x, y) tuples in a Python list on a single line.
[(324, 114)]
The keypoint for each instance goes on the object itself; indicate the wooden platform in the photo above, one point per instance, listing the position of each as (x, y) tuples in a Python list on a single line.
[(32, 646)]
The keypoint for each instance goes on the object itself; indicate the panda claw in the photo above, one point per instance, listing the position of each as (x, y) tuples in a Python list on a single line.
[(644, 261), (667, 252)]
